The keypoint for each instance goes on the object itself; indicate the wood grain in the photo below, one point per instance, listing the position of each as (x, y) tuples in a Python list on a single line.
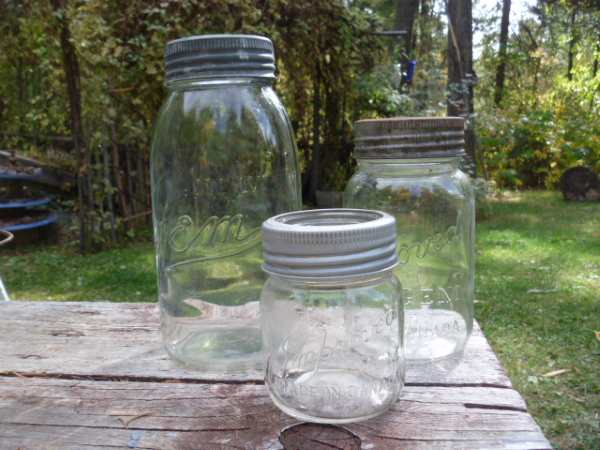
[(113, 341), (37, 413), (94, 376)]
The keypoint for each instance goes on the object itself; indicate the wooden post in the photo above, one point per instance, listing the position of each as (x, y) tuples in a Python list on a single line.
[(109, 187), (130, 180)]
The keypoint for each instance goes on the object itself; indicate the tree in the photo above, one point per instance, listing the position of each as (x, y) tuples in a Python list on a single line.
[(461, 77), (572, 42), (404, 20), (73, 85), (501, 69)]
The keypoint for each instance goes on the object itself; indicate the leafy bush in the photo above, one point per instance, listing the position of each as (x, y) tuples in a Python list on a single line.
[(547, 120), (533, 149)]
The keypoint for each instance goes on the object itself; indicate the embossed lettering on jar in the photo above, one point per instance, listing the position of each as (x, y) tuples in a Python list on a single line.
[(331, 314), (223, 160), (409, 167)]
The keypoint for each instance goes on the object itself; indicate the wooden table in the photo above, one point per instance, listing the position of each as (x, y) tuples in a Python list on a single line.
[(93, 376)]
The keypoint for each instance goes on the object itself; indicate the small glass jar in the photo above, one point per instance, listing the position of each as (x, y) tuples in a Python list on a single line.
[(331, 314), (223, 161), (409, 168)]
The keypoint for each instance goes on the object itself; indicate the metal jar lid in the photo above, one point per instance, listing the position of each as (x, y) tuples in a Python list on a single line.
[(329, 243), (220, 56), (409, 137)]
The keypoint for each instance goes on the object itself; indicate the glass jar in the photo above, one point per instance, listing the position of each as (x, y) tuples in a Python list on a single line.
[(331, 313), (409, 167), (223, 161)]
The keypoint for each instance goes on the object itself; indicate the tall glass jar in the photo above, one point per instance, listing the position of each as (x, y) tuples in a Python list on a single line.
[(409, 167), (331, 314), (223, 160)]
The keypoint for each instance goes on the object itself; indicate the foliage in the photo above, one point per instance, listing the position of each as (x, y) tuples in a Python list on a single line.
[(120, 47), (548, 119), (546, 122)]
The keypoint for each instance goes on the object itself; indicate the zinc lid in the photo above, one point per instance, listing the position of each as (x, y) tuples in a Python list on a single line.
[(329, 243), (220, 56)]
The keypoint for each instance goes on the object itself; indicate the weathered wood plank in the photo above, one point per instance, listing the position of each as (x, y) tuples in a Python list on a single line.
[(122, 340), (38, 413)]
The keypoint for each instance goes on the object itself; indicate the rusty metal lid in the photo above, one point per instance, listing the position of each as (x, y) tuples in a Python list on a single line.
[(409, 137)]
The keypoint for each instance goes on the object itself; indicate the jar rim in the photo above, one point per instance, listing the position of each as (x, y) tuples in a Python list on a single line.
[(329, 243)]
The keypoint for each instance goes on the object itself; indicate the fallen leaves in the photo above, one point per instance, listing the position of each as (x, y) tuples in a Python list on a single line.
[(555, 373), (541, 291)]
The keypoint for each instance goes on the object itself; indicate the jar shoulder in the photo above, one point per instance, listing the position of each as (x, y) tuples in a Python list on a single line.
[(453, 182), (277, 289), (244, 108)]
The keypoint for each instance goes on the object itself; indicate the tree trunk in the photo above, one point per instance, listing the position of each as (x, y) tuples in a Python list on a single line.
[(404, 20), (130, 171), (460, 70), (594, 72), (315, 165), (21, 95), (501, 69), (118, 173), (72, 79), (572, 43), (595, 64), (425, 29)]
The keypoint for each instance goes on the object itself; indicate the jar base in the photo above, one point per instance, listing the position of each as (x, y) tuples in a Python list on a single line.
[(434, 335), (308, 418), (220, 351), (323, 397)]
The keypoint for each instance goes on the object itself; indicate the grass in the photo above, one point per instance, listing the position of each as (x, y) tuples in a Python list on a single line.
[(538, 300), (58, 273)]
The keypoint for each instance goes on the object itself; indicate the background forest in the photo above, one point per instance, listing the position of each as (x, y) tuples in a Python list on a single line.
[(81, 84)]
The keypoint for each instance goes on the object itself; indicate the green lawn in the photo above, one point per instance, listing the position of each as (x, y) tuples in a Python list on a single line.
[(58, 273), (538, 300), (536, 241)]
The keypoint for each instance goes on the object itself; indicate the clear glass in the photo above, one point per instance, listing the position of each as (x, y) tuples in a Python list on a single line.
[(223, 161), (335, 348), (433, 203)]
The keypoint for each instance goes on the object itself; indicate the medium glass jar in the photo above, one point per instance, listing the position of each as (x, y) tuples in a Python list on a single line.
[(331, 313), (223, 161), (409, 167)]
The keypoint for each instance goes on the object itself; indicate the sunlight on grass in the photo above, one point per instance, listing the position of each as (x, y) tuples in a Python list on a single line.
[(56, 273), (538, 300), (538, 285)]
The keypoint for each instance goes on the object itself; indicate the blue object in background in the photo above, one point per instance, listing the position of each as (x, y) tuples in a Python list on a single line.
[(410, 71), (11, 204), (48, 220)]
